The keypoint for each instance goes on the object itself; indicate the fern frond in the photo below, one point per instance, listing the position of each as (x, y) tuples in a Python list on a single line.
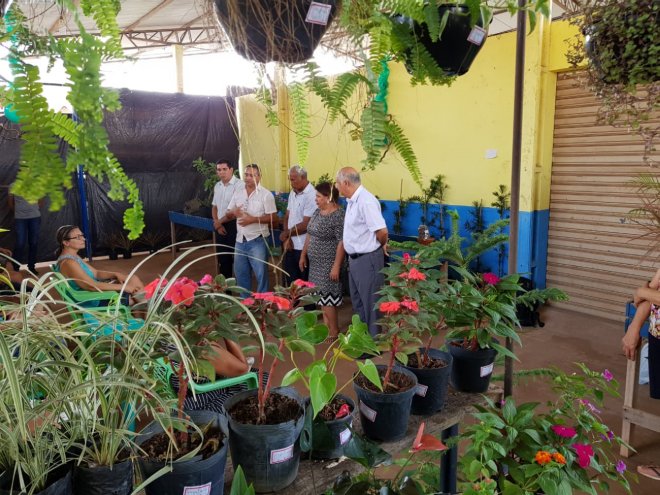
[(373, 123), (64, 127), (402, 145), (342, 90), (300, 114)]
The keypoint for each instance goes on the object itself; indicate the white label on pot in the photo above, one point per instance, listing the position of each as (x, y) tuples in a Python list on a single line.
[(345, 436), (197, 490), (486, 370), (318, 13), (421, 390), (281, 455), (477, 35), (369, 413)]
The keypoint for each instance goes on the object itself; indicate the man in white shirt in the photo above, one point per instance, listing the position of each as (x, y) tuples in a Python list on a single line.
[(365, 241), (225, 228), (301, 207), (254, 209)]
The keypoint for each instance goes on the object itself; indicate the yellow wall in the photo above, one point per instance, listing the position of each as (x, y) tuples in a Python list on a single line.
[(450, 128)]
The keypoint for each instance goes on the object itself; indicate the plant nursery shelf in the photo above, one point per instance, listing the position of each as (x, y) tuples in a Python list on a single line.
[(316, 476)]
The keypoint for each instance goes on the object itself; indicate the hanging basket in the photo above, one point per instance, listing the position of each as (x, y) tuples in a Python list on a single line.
[(275, 30)]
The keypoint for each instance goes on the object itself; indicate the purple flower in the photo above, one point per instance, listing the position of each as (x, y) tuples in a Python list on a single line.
[(564, 431), (589, 406), (607, 374), (620, 467)]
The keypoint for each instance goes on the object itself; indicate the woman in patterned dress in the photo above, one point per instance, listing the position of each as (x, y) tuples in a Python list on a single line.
[(324, 253)]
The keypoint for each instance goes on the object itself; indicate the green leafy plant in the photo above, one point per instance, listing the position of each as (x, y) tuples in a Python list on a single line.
[(501, 203), (563, 448), (207, 169), (620, 44), (433, 194)]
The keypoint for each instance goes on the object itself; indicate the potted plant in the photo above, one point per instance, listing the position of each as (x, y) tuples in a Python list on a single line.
[(563, 448), (152, 240), (275, 30), (331, 417), (265, 424)]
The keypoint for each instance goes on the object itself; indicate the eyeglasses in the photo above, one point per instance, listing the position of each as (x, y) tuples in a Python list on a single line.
[(78, 237)]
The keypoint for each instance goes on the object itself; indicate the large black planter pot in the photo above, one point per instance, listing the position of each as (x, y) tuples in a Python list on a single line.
[(471, 370), (268, 454), (279, 33), (197, 475), (329, 437), (104, 480), (458, 45), (432, 385), (60, 484), (384, 417)]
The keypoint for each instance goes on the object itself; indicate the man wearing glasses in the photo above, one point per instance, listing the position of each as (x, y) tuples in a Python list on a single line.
[(225, 227)]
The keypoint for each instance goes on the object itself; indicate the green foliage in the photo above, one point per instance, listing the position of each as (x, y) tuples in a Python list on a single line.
[(208, 171), (647, 215), (239, 484), (434, 193), (519, 449), (300, 115)]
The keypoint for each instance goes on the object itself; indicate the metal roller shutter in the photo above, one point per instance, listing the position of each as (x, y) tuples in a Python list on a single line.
[(596, 257)]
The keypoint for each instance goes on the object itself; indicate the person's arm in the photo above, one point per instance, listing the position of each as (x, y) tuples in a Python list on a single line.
[(302, 264), (335, 271), (647, 294), (285, 235), (300, 228), (71, 269)]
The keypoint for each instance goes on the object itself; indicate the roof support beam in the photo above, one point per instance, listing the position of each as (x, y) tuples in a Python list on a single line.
[(158, 7)]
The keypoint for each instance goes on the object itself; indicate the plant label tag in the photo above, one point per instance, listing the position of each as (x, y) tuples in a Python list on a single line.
[(198, 490), (486, 370), (477, 35), (281, 455), (345, 436), (421, 390), (369, 413), (318, 13)]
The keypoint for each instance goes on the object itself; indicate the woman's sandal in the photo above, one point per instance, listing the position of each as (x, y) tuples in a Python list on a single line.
[(650, 471)]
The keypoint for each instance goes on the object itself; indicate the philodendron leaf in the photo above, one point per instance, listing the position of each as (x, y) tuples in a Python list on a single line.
[(322, 388), (366, 452), (369, 370), (314, 334), (291, 377), (297, 345)]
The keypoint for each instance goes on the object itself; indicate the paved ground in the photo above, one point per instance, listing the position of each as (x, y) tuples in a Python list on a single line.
[(568, 337)]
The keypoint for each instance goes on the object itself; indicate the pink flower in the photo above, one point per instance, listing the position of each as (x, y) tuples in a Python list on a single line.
[(607, 374), (620, 467), (490, 278), (413, 274), (410, 305), (389, 307), (564, 431), (584, 452), (409, 260), (302, 283), (248, 301), (206, 279), (150, 288), (281, 302), (182, 291)]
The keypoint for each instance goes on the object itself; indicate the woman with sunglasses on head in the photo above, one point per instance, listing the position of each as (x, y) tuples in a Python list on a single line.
[(82, 275)]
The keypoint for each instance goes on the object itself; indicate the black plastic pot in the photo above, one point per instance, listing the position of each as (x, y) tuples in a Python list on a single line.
[(459, 43), (268, 454), (471, 370), (432, 385), (103, 480), (204, 475), (127, 254), (61, 484), (290, 37), (113, 255), (329, 437), (384, 417)]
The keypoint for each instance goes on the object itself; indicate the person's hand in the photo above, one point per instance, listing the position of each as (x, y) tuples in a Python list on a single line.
[(284, 235), (245, 219), (121, 278), (5, 251), (287, 245), (655, 281), (216, 223), (629, 344), (221, 230), (334, 273), (385, 249), (302, 264)]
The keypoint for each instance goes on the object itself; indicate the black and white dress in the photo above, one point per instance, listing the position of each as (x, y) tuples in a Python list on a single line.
[(325, 232)]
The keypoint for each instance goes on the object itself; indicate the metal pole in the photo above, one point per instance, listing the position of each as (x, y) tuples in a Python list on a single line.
[(521, 27)]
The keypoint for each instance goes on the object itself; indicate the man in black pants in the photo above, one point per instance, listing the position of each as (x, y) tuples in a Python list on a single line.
[(225, 228)]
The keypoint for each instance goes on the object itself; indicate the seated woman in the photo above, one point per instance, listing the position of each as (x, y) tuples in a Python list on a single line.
[(83, 276)]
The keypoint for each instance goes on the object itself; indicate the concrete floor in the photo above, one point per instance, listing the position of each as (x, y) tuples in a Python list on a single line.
[(568, 337)]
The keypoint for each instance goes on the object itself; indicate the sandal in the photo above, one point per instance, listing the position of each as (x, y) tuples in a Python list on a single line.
[(650, 471)]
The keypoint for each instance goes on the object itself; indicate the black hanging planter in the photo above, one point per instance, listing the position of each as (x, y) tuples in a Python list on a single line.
[(104, 480), (273, 30), (459, 43), (471, 371), (432, 384)]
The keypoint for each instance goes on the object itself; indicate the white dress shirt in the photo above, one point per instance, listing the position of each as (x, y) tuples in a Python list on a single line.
[(257, 204), (222, 194), (363, 219), (301, 205)]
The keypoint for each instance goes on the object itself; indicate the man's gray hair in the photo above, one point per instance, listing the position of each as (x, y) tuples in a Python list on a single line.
[(299, 171), (352, 177)]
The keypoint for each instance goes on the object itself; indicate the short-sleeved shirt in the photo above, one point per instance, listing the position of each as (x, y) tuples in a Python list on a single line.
[(222, 194), (363, 219), (301, 205), (260, 202), (24, 210)]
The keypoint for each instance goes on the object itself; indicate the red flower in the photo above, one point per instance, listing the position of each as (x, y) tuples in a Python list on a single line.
[(302, 283), (206, 279), (543, 457), (248, 301), (281, 302), (390, 307), (410, 305), (564, 431), (150, 288), (585, 452), (491, 278), (413, 274), (182, 291), (409, 260), (426, 442), (344, 410), (558, 458)]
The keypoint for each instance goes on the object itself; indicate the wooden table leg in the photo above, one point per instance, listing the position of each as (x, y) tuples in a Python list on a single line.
[(632, 372)]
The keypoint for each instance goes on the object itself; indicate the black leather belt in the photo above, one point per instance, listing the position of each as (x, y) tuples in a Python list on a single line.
[(355, 256)]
